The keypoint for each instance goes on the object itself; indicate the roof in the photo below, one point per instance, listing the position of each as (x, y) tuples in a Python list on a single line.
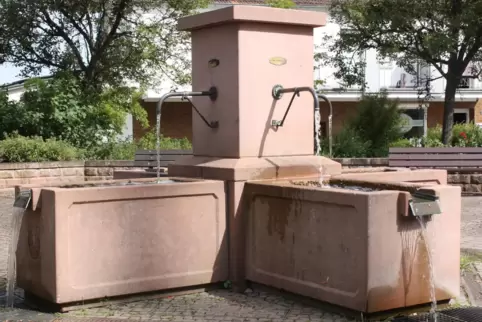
[(21, 82), (263, 2)]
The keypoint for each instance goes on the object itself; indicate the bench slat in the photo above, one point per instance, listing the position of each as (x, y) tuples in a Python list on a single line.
[(457, 157), (435, 163), (164, 152), (434, 150), (148, 158), (144, 164), (162, 157)]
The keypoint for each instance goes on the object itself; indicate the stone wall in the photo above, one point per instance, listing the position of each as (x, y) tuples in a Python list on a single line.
[(350, 163), (470, 182), (12, 174), (104, 170)]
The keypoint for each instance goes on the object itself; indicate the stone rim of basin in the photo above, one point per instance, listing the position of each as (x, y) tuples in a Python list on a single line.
[(359, 185)]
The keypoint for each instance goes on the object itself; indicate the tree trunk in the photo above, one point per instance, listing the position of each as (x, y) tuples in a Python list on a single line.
[(449, 104)]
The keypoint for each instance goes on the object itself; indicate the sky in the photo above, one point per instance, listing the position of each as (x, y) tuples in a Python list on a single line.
[(9, 74)]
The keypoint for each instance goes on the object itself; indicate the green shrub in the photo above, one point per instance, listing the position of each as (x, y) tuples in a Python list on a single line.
[(61, 108), (348, 144), (148, 142), (402, 143), (125, 150), (377, 121), (467, 135), (372, 130), (122, 150), (35, 149)]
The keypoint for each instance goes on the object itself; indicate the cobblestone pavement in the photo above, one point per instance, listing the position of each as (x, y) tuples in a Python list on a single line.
[(472, 223), (219, 305)]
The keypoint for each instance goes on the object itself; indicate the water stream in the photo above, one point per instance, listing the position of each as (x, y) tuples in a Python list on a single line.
[(19, 206), (158, 143), (433, 309), (317, 132)]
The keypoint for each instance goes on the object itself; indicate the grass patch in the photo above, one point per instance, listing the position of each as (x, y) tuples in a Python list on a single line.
[(468, 259)]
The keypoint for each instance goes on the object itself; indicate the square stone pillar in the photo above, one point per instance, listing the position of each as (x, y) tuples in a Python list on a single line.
[(256, 48), (244, 51)]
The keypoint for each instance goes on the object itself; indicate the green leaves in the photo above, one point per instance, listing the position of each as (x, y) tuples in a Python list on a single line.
[(371, 131), (103, 41), (17, 148), (447, 35), (284, 4), (61, 108)]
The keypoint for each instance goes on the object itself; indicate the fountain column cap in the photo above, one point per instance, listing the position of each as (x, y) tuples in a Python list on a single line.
[(253, 14)]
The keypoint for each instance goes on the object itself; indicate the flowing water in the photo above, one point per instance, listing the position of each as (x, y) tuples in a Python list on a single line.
[(20, 205), (317, 131), (158, 143), (433, 309)]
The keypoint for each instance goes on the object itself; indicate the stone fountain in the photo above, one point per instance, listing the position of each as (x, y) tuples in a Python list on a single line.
[(248, 205)]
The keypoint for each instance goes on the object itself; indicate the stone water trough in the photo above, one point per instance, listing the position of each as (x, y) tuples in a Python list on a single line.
[(247, 205), (88, 241), (352, 241), (355, 243)]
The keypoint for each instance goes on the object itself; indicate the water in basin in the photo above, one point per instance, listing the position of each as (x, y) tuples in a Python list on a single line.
[(126, 183)]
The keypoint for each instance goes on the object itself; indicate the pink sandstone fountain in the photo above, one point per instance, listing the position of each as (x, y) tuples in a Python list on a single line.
[(249, 205)]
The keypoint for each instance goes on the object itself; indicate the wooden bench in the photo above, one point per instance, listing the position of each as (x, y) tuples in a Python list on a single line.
[(148, 158), (450, 159)]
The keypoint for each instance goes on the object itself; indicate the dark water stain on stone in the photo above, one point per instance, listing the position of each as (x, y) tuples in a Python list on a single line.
[(281, 209), (277, 217), (413, 286)]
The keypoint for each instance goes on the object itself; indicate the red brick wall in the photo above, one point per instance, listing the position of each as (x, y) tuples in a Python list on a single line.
[(436, 112), (176, 120)]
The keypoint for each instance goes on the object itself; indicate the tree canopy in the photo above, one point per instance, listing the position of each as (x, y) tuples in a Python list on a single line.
[(446, 34), (102, 41)]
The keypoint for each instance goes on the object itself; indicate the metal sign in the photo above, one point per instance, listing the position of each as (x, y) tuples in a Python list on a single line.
[(277, 61)]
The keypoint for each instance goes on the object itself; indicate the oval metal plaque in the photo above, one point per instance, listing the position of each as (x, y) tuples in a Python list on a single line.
[(277, 61)]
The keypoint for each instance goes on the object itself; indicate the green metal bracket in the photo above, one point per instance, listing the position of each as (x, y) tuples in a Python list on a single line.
[(423, 204)]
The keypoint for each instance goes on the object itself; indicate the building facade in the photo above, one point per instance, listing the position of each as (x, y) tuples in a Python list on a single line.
[(379, 75)]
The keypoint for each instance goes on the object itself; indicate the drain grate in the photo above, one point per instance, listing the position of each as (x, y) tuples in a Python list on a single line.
[(467, 314)]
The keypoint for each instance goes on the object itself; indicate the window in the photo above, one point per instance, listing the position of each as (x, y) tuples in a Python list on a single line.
[(468, 81), (393, 76), (461, 115)]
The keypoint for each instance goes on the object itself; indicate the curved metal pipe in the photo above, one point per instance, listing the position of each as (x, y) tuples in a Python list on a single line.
[(278, 92), (212, 93), (330, 122)]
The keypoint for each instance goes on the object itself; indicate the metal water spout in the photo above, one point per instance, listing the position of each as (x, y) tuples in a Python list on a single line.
[(212, 93), (278, 91)]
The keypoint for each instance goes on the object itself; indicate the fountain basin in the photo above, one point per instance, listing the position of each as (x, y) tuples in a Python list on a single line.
[(352, 248), (81, 242)]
